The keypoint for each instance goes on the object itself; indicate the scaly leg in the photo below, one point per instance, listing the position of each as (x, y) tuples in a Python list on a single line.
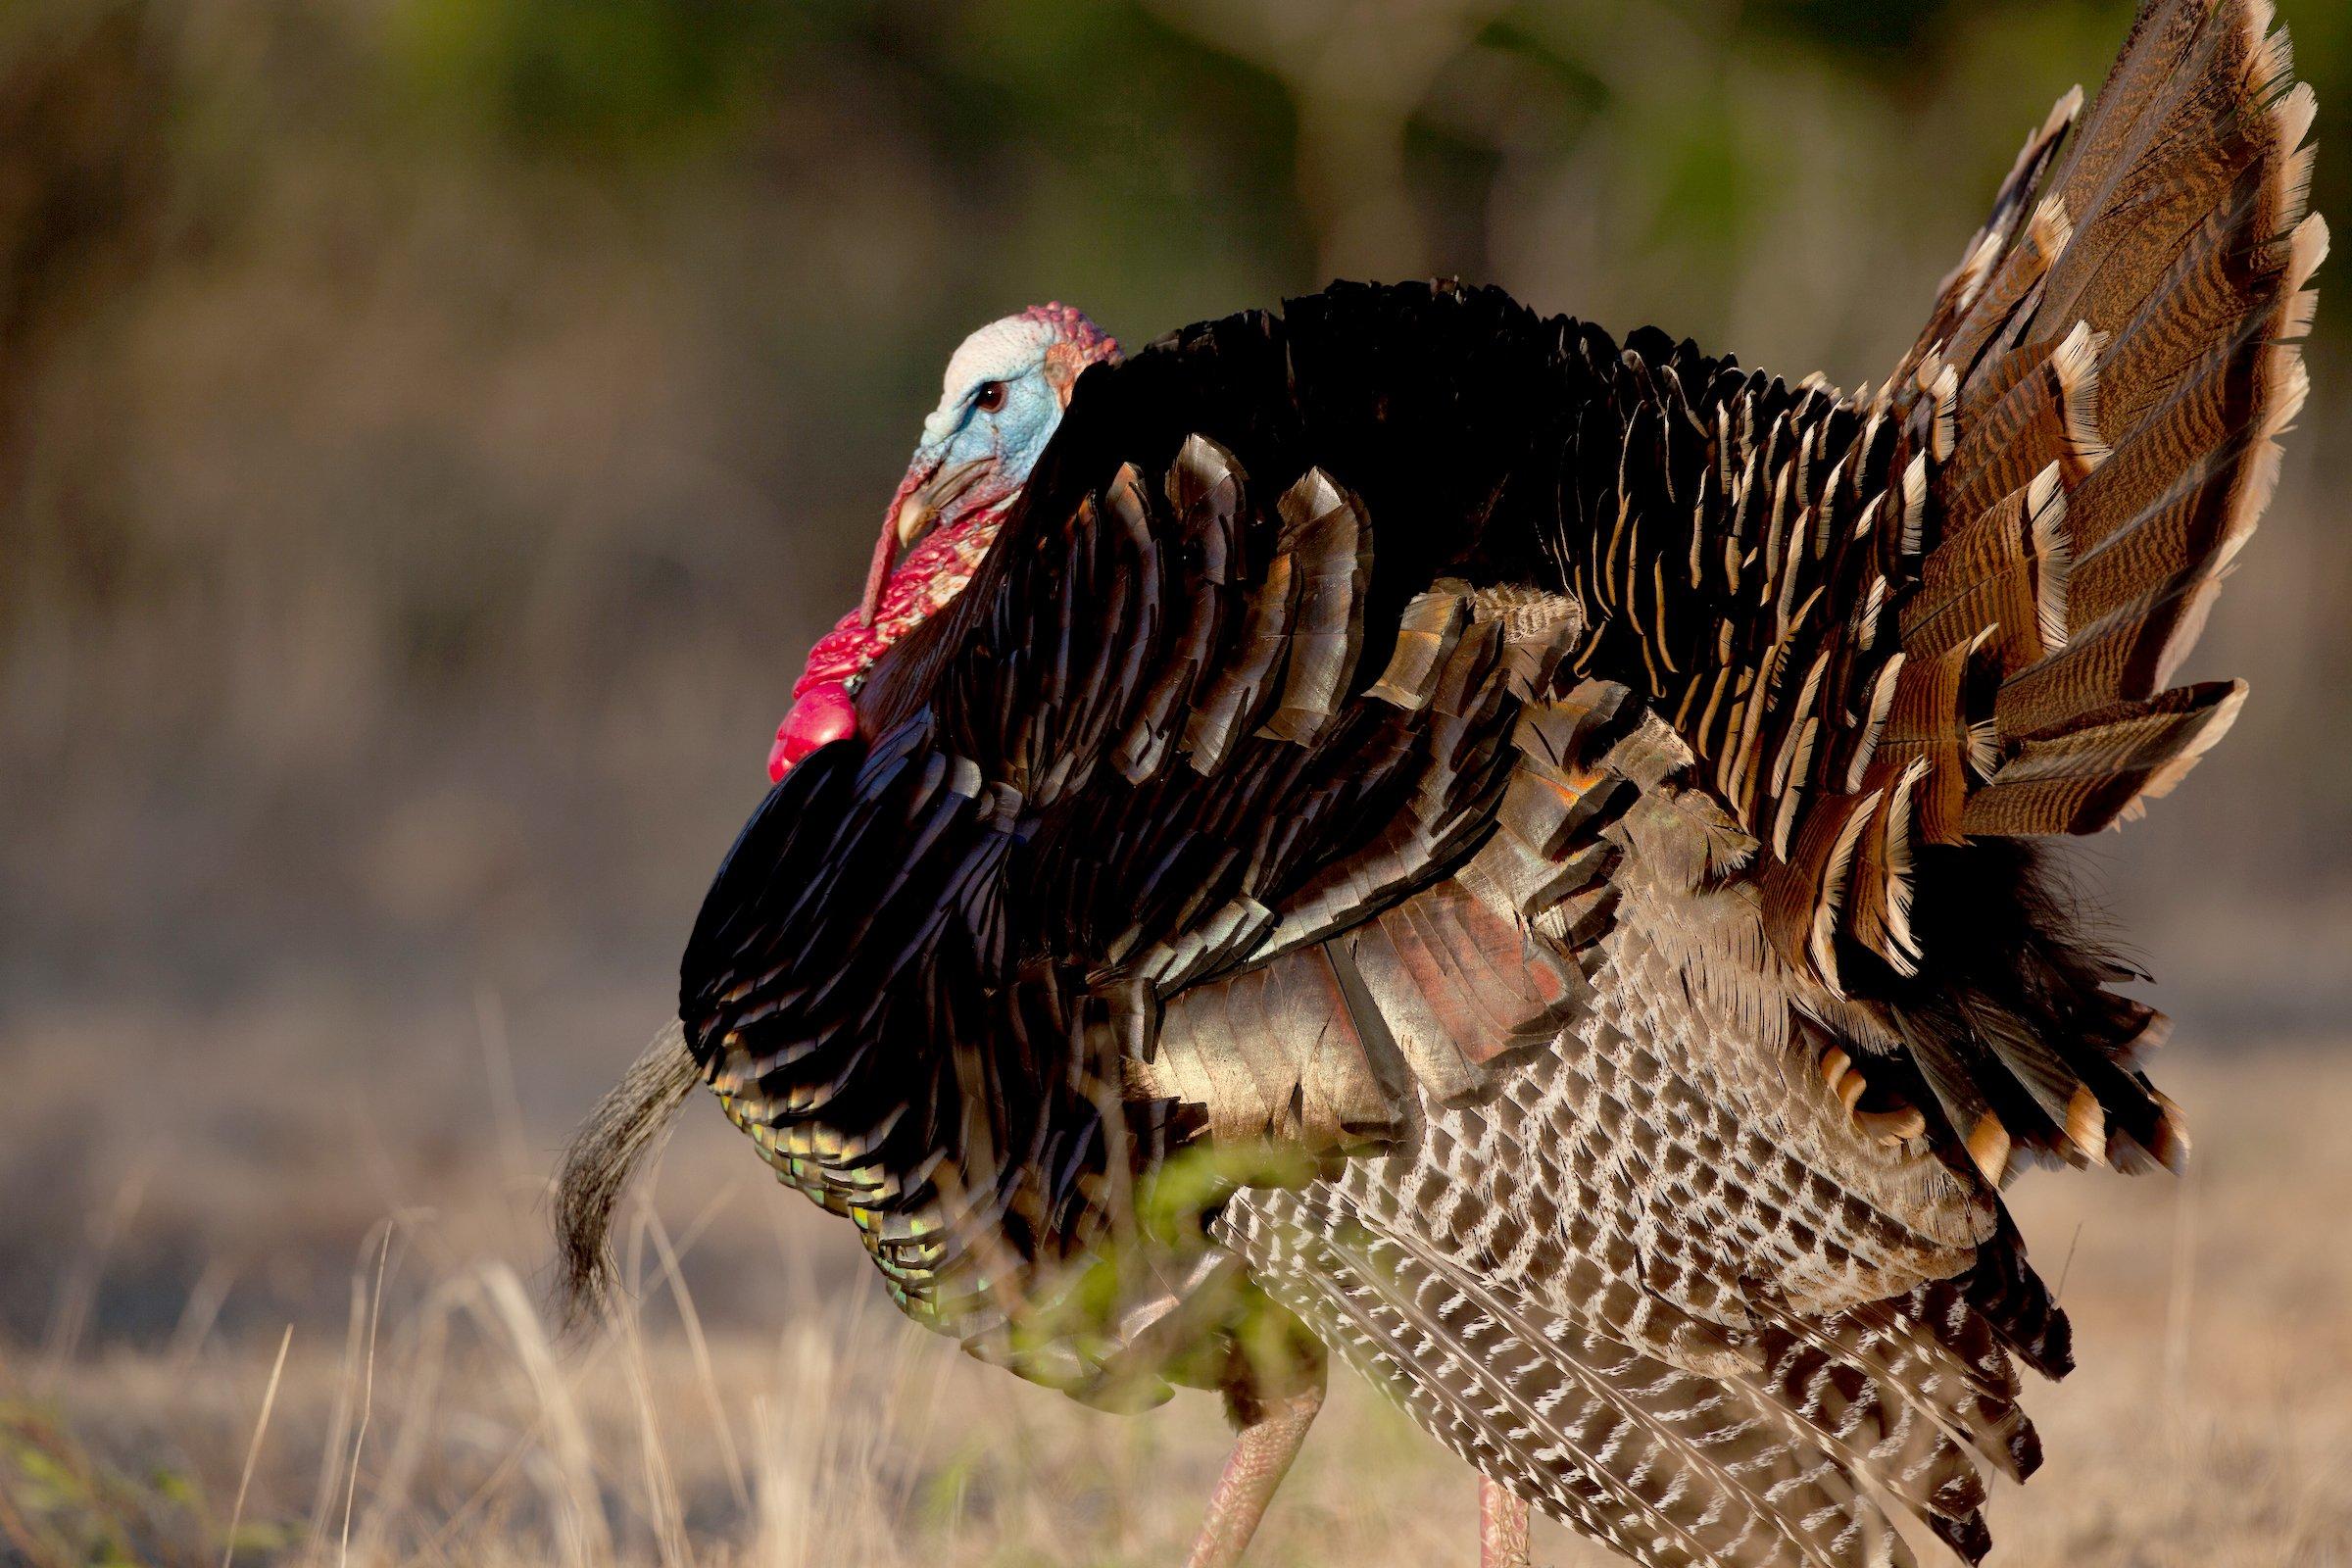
[(1501, 1527), (1261, 1457)]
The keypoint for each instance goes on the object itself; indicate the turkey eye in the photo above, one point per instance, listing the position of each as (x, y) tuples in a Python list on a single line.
[(990, 398)]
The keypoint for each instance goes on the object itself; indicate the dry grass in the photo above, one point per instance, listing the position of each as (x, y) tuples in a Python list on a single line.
[(798, 1422)]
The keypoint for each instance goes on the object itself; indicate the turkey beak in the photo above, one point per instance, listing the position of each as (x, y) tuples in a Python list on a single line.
[(919, 505), (926, 502)]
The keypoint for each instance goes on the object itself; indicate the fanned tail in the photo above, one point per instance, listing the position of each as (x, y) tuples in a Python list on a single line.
[(2098, 394)]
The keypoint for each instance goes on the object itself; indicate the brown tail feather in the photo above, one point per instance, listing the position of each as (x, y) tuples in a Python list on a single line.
[(2172, 306), (2082, 779)]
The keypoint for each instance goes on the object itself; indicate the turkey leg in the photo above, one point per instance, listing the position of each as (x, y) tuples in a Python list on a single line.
[(1261, 1457), (1501, 1527)]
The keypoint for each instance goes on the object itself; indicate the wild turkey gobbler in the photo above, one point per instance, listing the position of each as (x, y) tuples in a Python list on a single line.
[(1415, 828)]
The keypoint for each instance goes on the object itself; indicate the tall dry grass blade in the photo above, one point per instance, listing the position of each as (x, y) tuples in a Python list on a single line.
[(506, 1101), (508, 1462), (427, 1360), (340, 1414), (198, 1313), (375, 1315), (853, 1387), (253, 1450), (662, 1508), (704, 1370), (77, 1295), (815, 1491), (803, 1299), (709, 1214), (918, 1377), (504, 1302), (773, 1515)]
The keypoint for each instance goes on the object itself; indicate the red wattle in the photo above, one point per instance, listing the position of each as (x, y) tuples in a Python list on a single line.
[(823, 714), (845, 651)]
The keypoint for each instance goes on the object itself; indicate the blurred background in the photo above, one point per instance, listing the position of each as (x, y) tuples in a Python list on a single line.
[(432, 431)]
